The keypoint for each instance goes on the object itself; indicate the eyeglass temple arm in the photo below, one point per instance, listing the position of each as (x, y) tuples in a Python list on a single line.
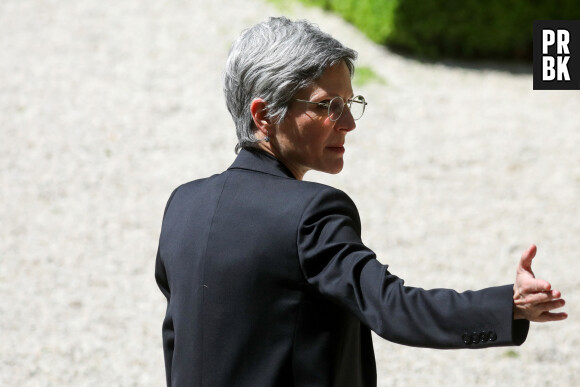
[(363, 102), (322, 104), (325, 104)]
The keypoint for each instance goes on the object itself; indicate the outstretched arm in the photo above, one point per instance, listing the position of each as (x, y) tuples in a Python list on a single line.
[(534, 299)]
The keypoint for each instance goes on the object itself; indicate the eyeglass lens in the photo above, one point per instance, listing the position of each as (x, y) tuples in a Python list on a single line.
[(356, 106)]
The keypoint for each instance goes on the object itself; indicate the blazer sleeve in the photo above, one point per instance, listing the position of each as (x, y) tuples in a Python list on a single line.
[(340, 267)]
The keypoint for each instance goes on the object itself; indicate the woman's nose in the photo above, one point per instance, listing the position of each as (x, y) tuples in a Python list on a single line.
[(346, 121)]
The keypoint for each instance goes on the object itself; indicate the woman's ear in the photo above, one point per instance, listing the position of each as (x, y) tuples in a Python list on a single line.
[(259, 110)]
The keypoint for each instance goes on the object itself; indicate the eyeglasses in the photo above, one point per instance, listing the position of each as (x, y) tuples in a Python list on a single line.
[(335, 107)]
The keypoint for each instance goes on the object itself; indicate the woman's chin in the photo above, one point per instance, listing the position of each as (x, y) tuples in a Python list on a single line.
[(334, 168)]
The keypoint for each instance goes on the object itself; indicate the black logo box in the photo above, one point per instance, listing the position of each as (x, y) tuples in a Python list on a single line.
[(573, 28)]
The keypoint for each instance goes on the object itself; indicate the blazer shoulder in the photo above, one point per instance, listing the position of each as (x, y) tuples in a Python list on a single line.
[(191, 188), (326, 191), (194, 184), (325, 200)]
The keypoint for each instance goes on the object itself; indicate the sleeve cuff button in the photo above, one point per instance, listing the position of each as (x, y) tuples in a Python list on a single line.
[(484, 337), (466, 339)]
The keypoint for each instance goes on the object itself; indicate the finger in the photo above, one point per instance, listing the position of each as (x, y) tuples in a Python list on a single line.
[(527, 256), (551, 305), (532, 286), (537, 297), (547, 316)]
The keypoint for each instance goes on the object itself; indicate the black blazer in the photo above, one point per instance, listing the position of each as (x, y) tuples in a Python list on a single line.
[(269, 284)]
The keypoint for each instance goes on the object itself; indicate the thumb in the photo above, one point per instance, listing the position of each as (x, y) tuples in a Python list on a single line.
[(527, 256), (526, 267)]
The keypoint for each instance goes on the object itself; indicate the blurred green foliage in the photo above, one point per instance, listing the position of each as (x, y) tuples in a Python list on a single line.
[(365, 75), (453, 28), (511, 354)]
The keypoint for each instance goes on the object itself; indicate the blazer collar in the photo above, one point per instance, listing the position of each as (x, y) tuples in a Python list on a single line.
[(260, 161)]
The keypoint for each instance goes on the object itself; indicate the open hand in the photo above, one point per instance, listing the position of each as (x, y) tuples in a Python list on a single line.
[(534, 298)]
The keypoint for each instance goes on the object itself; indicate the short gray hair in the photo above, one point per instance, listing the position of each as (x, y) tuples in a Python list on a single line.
[(273, 61)]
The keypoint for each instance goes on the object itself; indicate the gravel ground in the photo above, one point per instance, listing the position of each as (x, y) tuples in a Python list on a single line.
[(106, 107)]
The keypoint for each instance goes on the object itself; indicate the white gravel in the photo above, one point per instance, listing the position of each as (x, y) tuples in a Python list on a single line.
[(106, 107)]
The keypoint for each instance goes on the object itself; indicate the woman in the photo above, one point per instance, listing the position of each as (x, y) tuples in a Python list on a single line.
[(267, 280)]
